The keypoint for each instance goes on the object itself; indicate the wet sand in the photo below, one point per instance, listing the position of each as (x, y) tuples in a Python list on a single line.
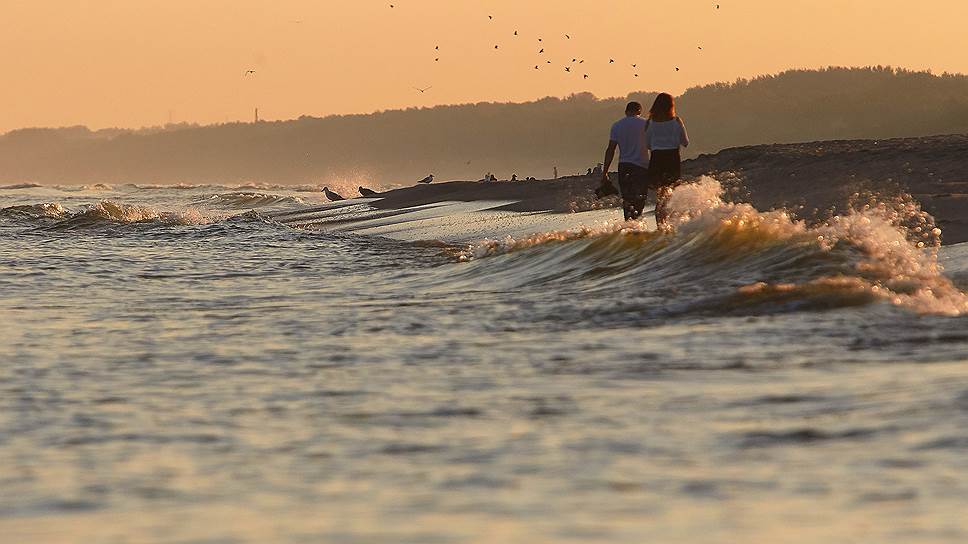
[(813, 178)]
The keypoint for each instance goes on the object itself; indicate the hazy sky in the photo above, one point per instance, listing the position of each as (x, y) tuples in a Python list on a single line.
[(129, 62)]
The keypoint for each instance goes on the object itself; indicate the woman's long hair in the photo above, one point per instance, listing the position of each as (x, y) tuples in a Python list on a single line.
[(663, 109)]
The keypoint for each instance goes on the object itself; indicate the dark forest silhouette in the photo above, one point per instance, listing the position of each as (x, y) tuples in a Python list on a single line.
[(464, 141)]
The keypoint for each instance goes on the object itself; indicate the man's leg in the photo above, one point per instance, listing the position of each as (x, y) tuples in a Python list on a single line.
[(626, 187), (639, 187)]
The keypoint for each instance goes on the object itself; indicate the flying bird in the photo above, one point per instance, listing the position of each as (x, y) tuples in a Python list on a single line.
[(611, 61), (428, 179), (425, 89), (247, 72), (542, 51), (677, 68), (567, 68), (567, 36), (331, 195), (586, 76)]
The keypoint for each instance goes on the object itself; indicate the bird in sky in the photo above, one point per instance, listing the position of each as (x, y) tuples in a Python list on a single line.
[(611, 61), (567, 68), (425, 89), (247, 72)]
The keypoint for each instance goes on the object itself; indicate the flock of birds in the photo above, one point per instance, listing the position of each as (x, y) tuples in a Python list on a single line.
[(576, 62)]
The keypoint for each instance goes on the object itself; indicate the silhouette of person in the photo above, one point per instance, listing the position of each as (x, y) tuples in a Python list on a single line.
[(556, 172), (628, 135), (664, 136), (514, 177)]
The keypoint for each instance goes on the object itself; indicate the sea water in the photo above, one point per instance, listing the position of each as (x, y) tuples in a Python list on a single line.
[(191, 364)]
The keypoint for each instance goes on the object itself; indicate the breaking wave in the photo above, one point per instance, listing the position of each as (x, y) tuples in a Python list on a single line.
[(47, 210), (55, 217), (251, 200), (721, 257)]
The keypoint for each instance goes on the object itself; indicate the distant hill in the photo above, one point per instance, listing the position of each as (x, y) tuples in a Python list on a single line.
[(465, 141)]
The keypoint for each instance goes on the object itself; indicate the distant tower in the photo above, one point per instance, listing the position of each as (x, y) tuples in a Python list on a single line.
[(257, 115)]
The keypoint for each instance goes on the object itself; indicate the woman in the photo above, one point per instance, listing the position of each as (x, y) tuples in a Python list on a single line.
[(664, 135)]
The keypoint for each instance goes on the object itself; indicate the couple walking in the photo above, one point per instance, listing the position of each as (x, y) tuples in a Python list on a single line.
[(648, 156)]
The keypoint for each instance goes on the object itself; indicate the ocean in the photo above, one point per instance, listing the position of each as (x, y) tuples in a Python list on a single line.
[(254, 364)]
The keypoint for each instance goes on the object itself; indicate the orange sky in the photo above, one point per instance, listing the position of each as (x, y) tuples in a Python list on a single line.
[(129, 62)]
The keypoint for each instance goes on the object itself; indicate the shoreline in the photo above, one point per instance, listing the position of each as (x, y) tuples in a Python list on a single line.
[(815, 179)]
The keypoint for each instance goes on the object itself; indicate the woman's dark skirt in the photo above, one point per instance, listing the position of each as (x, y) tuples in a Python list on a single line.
[(665, 168)]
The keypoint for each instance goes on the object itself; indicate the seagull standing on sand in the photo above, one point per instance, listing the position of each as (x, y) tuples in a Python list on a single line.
[(428, 179), (331, 195)]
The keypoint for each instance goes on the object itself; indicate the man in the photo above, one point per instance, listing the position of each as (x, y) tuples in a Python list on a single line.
[(628, 135)]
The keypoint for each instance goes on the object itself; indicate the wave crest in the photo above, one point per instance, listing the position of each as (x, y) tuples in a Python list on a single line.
[(726, 257)]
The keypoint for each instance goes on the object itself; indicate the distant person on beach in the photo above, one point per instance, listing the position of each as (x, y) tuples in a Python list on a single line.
[(628, 135), (665, 134)]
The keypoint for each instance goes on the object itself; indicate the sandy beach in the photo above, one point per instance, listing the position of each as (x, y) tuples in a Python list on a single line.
[(810, 178)]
